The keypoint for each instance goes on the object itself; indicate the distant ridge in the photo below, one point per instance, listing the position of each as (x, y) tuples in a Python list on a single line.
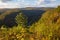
[(37, 8), (27, 8)]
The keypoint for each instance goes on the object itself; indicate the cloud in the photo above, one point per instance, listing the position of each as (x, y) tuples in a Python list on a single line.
[(33, 3), (39, 2), (52, 0), (5, 0), (9, 4), (19, 3), (28, 3), (49, 3)]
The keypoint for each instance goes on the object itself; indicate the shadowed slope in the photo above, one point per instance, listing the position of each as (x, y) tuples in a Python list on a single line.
[(8, 17)]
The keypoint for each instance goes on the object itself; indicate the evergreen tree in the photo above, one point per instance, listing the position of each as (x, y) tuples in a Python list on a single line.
[(21, 19)]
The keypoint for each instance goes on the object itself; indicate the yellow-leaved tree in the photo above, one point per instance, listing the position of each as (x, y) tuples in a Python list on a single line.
[(47, 26)]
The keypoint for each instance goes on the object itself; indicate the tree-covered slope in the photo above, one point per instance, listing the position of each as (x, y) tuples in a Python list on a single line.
[(48, 27)]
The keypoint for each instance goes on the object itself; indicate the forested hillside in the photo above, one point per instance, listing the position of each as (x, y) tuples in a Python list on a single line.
[(7, 17), (47, 27)]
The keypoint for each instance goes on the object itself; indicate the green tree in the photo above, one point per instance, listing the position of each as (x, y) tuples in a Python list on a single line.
[(21, 20)]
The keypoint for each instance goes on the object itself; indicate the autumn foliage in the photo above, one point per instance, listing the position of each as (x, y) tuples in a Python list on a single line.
[(46, 28)]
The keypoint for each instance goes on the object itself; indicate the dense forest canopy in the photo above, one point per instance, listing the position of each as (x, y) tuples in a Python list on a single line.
[(47, 27)]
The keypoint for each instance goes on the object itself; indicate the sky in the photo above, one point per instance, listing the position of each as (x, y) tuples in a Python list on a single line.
[(28, 3)]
